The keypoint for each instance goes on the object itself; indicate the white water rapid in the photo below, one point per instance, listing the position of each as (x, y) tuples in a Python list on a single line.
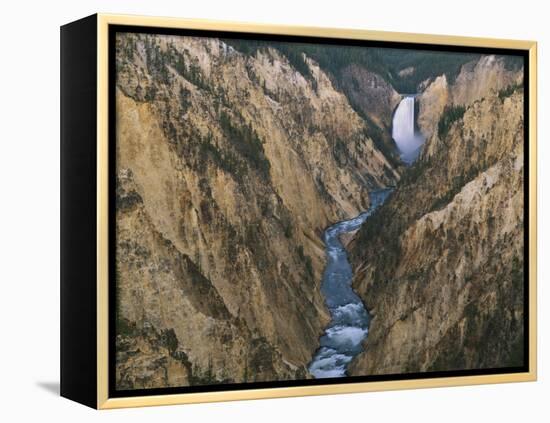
[(343, 338)]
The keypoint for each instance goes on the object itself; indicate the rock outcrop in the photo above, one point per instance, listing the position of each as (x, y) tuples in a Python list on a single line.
[(431, 103), (369, 93), (476, 80)]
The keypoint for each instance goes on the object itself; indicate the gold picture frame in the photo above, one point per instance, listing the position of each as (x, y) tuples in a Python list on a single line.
[(102, 400)]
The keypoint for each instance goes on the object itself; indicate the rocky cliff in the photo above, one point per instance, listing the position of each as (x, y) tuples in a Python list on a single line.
[(440, 265), (229, 166), (476, 80), (375, 100), (369, 93)]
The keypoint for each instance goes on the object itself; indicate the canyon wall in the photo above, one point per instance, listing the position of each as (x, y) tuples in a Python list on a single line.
[(375, 100), (440, 265), (476, 80)]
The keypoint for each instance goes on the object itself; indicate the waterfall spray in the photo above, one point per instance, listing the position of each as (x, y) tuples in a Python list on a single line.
[(408, 141)]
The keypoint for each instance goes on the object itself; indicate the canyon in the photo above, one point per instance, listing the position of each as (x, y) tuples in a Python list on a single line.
[(231, 162)]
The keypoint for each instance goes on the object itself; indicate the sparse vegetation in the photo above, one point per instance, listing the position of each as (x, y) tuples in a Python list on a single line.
[(288, 230), (246, 141), (509, 90), (169, 340), (384, 61), (513, 63), (382, 141), (156, 62), (426, 64), (185, 101), (225, 160), (306, 260), (340, 151), (450, 115), (414, 172)]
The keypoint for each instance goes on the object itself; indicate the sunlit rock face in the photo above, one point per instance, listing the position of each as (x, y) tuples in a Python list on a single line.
[(476, 80)]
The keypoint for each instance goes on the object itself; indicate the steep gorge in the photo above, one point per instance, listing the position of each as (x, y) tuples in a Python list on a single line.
[(231, 162), (229, 167), (440, 265)]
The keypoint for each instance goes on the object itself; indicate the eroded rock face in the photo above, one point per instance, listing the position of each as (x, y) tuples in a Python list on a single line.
[(431, 103), (440, 267), (228, 169), (148, 359), (375, 99), (476, 80), (370, 93)]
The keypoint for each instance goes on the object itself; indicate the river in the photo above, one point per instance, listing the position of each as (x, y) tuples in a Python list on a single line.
[(349, 325)]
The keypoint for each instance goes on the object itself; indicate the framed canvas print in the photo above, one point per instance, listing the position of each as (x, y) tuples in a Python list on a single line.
[(254, 211)]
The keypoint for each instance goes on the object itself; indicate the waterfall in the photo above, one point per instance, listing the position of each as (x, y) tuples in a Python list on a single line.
[(408, 141)]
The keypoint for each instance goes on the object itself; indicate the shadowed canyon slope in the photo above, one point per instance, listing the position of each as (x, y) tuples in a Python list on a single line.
[(229, 167), (440, 265)]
